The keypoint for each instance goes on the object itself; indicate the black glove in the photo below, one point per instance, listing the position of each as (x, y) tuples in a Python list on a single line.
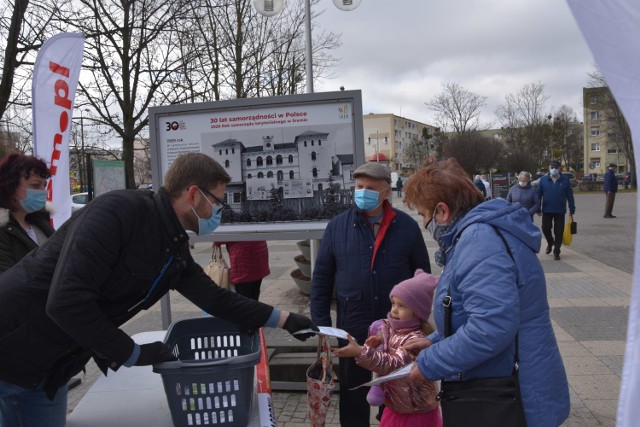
[(155, 352), (296, 322)]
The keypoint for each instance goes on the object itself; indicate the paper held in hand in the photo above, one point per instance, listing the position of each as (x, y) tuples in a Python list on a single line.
[(325, 330), (395, 375)]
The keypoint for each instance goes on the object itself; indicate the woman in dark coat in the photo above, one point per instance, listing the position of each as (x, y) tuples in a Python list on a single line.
[(522, 192), (24, 222)]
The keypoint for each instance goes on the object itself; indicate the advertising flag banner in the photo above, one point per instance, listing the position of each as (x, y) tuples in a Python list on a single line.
[(55, 79), (612, 30)]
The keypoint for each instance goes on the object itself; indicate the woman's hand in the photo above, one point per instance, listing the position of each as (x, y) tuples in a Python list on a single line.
[(352, 349), (416, 344), (415, 374)]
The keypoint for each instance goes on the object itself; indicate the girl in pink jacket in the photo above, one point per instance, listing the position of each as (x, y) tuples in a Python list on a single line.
[(406, 404)]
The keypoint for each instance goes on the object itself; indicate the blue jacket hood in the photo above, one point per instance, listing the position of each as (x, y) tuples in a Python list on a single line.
[(509, 218)]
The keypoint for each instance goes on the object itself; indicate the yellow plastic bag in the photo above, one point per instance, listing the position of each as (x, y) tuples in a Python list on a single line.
[(567, 237)]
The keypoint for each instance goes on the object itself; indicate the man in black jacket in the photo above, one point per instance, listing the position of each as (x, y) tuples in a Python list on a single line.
[(64, 302)]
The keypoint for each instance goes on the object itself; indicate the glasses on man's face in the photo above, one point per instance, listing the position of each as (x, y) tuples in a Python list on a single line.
[(222, 203)]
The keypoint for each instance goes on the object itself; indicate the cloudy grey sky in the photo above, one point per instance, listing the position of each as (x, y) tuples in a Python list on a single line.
[(400, 52)]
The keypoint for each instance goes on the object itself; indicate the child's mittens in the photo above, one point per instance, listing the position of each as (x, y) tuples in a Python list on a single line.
[(375, 397)]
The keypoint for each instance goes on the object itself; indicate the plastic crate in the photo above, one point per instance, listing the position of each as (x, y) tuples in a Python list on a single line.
[(213, 382)]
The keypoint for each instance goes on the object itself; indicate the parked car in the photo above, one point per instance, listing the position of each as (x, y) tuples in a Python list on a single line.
[(78, 201), (572, 179)]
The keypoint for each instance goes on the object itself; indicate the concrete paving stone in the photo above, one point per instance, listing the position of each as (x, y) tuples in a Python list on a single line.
[(560, 302), (552, 266), (585, 365), (614, 363), (587, 287), (561, 334), (592, 323), (605, 348), (573, 348), (592, 386), (604, 410), (617, 302)]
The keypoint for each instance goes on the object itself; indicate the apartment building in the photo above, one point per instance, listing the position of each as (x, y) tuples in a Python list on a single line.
[(386, 136), (600, 146)]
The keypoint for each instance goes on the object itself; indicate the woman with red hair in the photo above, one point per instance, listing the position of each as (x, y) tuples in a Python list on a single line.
[(24, 222)]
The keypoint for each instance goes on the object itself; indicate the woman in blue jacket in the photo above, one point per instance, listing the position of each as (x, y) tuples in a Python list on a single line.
[(522, 192), (493, 296)]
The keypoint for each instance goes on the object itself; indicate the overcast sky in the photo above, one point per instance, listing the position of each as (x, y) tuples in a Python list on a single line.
[(400, 52)]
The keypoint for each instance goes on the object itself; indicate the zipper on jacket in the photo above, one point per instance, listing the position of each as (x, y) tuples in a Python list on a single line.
[(154, 284)]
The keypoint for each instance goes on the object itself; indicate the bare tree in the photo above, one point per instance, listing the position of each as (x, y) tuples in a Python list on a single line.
[(617, 127), (24, 25), (130, 54), (474, 151), (566, 138), (457, 108), (525, 123)]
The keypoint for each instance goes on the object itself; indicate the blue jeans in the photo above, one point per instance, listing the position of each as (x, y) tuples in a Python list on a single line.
[(22, 407)]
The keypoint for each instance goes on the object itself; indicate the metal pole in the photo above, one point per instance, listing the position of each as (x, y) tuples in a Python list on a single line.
[(377, 147), (309, 59), (83, 164)]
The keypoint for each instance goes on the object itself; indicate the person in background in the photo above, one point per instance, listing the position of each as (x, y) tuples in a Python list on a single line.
[(406, 403), (24, 217), (399, 186), (487, 186), (494, 297), (478, 183), (365, 251), (65, 302), (522, 192), (610, 189), (249, 264), (554, 192)]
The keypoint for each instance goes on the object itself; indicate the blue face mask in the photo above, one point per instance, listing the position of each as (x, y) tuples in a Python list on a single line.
[(553, 171), (367, 200), (34, 201), (208, 225), (522, 184)]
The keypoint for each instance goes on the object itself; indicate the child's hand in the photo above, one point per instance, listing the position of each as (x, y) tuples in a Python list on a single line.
[(352, 349), (416, 344), (373, 341)]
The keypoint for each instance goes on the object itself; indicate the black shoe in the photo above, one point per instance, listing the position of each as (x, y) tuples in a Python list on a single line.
[(556, 257), (609, 216), (548, 250)]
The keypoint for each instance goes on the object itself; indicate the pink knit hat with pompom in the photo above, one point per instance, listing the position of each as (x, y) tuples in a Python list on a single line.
[(417, 293)]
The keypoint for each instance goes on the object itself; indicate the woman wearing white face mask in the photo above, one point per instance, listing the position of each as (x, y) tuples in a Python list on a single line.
[(24, 224), (522, 192), (491, 295)]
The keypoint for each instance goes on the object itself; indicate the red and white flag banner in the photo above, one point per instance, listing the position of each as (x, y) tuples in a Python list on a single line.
[(612, 31), (55, 79)]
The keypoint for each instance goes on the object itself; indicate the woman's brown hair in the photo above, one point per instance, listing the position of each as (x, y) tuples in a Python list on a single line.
[(445, 182)]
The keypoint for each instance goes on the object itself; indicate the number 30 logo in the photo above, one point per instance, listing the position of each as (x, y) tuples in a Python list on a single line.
[(172, 125)]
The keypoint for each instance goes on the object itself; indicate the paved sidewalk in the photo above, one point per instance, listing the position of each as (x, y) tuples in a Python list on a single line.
[(589, 304)]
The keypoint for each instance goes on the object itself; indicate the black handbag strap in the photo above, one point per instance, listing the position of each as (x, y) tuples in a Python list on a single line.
[(446, 302)]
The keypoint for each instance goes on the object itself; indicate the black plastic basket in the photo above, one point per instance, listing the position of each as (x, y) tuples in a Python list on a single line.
[(213, 382)]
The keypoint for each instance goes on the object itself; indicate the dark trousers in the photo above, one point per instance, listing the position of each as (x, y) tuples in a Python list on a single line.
[(608, 206), (555, 221), (354, 408), (249, 289)]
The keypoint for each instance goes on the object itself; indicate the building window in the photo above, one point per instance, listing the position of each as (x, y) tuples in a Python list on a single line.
[(291, 175), (305, 143), (226, 163), (260, 175), (269, 174), (248, 162), (221, 152), (269, 160), (596, 163), (313, 155), (595, 147), (312, 142), (320, 142), (595, 131), (248, 176), (315, 172), (595, 115), (278, 159), (236, 197), (233, 150), (614, 151), (593, 99), (290, 158), (226, 151), (280, 176)]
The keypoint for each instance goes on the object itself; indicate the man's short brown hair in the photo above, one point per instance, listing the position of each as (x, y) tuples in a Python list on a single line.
[(194, 169)]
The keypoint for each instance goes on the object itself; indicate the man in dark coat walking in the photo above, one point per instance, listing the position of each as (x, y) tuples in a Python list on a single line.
[(610, 189)]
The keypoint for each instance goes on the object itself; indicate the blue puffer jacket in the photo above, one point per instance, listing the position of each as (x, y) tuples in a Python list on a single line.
[(488, 309), (555, 195), (362, 287)]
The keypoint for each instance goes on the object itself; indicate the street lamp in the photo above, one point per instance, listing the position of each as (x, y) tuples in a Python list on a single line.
[(378, 145)]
